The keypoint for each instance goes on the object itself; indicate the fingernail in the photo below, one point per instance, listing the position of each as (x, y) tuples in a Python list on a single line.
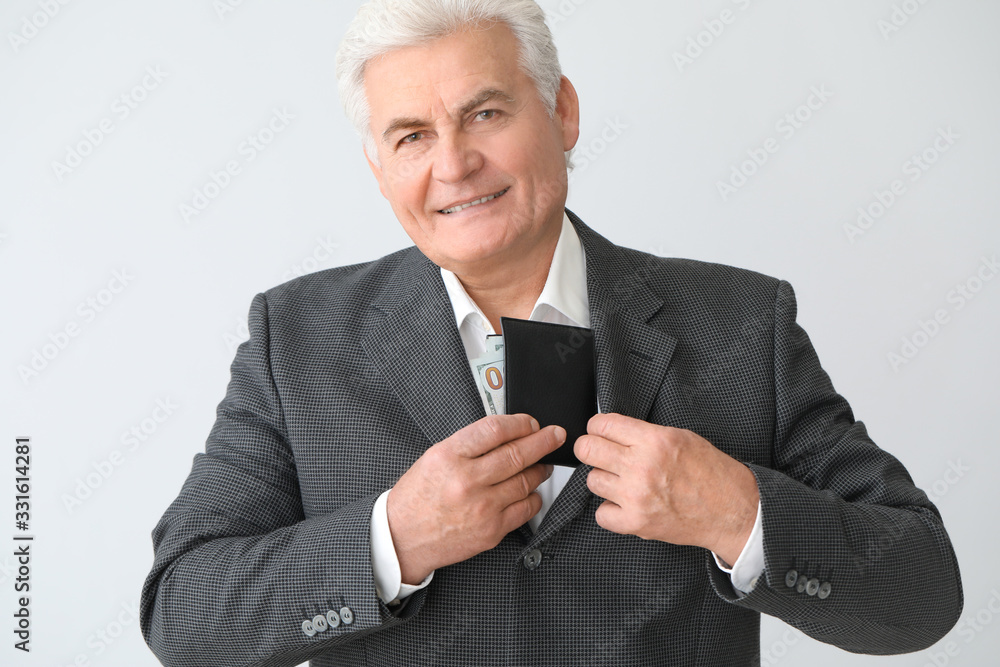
[(548, 470), (534, 425), (560, 434)]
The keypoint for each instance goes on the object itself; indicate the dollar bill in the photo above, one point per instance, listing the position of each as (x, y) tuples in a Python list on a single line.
[(490, 378), (494, 344), (488, 372)]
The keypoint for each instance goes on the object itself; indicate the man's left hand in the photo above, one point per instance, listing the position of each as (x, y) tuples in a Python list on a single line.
[(668, 484)]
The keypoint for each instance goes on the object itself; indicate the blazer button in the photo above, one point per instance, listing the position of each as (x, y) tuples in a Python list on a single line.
[(332, 618), (319, 622), (346, 615), (533, 559), (308, 629), (812, 587), (824, 590), (791, 578), (801, 586)]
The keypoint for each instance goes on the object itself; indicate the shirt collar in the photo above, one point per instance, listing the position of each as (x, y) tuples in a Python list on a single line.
[(565, 290)]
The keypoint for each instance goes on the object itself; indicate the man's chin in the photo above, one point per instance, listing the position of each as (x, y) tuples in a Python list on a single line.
[(470, 258), (468, 262)]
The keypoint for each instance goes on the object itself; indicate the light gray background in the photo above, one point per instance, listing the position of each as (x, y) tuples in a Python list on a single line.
[(669, 135)]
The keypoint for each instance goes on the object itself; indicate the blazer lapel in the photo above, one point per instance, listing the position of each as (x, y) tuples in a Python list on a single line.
[(632, 356), (417, 348)]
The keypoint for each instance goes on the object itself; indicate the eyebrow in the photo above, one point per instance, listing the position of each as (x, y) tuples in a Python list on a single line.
[(484, 96)]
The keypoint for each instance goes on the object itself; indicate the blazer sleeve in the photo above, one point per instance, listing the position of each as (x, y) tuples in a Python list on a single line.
[(237, 566), (855, 555)]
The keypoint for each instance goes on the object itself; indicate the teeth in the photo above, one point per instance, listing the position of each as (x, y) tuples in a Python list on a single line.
[(462, 207)]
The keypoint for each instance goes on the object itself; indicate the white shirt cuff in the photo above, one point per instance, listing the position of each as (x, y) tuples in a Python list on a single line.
[(385, 565), (749, 566)]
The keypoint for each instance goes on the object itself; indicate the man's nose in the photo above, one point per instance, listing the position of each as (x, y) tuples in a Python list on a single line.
[(456, 157)]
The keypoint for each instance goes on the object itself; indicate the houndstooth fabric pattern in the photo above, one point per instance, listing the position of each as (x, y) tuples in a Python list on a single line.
[(351, 374)]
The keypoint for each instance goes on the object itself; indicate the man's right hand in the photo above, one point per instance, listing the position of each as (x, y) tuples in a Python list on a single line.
[(464, 494)]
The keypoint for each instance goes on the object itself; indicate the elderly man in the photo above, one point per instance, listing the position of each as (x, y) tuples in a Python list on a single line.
[(355, 507)]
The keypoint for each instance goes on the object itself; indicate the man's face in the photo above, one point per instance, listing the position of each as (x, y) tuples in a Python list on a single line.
[(457, 122)]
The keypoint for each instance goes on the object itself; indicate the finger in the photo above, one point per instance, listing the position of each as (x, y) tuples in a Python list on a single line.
[(620, 428), (511, 458), (517, 514), (610, 516), (605, 485), (521, 485), (602, 453), (489, 433)]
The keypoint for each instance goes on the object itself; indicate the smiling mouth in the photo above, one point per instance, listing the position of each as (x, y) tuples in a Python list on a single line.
[(462, 207)]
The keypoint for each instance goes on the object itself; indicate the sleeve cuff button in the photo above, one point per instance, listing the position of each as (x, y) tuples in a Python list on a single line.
[(319, 622), (346, 615)]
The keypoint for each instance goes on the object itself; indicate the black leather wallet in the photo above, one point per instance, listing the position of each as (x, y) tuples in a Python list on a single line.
[(549, 374)]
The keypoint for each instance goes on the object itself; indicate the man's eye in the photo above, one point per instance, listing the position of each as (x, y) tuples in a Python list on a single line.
[(410, 138), (487, 114)]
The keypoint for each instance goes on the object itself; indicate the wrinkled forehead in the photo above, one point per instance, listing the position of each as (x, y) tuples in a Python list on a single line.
[(445, 73)]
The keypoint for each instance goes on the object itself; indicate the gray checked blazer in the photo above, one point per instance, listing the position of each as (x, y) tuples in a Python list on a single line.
[(350, 374)]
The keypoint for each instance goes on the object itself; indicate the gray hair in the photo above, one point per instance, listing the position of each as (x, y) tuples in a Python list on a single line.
[(382, 26)]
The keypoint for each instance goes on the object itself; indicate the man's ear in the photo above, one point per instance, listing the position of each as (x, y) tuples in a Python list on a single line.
[(377, 172), (568, 112)]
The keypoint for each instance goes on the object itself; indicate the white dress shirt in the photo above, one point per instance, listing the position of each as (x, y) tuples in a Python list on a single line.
[(563, 301)]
